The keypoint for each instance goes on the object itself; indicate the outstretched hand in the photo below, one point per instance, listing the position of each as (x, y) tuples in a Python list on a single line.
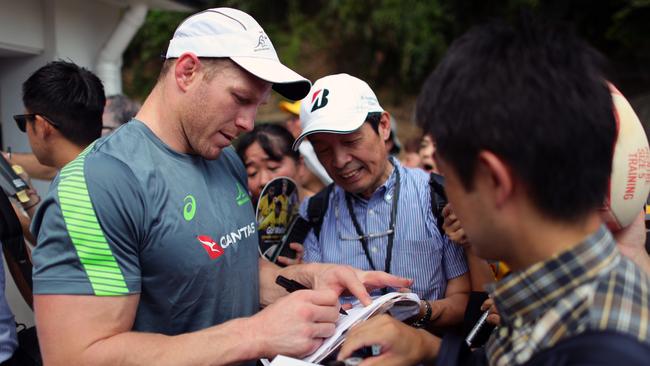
[(352, 281)]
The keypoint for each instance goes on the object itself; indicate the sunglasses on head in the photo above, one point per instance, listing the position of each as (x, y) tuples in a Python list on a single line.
[(21, 120)]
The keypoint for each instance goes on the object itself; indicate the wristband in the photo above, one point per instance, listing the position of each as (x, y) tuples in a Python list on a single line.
[(424, 320)]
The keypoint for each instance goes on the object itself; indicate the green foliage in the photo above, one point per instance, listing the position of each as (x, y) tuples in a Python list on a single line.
[(142, 59), (394, 44)]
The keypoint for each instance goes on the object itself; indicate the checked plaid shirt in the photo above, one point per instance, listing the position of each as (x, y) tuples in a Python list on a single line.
[(589, 287)]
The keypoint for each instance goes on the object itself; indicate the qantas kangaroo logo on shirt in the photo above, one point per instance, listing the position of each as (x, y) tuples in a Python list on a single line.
[(211, 247)]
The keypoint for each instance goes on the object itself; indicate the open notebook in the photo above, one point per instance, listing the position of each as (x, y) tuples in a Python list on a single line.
[(401, 306)]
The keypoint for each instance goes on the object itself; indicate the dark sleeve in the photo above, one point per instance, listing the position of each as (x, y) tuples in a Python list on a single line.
[(88, 230), (595, 348)]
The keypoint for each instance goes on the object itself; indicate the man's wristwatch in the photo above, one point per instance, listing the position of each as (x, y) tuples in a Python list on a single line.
[(425, 318)]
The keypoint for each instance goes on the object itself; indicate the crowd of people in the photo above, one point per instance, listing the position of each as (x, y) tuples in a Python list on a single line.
[(146, 246)]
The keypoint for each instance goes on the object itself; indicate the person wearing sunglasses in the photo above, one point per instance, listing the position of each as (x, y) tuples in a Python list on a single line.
[(379, 214), (63, 115), (118, 110)]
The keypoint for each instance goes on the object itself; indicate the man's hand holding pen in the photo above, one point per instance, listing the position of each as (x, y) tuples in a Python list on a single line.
[(297, 324)]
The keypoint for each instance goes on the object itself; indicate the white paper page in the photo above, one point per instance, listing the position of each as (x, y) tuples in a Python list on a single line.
[(356, 315), (288, 361)]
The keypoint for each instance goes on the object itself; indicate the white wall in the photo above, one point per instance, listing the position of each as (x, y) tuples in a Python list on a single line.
[(21, 26), (72, 30), (81, 29)]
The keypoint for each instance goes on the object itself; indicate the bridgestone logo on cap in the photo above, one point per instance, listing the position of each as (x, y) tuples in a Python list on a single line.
[(320, 99)]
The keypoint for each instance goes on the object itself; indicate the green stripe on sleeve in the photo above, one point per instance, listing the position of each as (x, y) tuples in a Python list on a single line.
[(88, 238)]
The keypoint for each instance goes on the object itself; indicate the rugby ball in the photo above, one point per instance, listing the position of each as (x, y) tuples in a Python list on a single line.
[(629, 183)]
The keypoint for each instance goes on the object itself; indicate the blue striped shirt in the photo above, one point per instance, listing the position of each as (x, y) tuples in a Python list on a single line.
[(420, 251)]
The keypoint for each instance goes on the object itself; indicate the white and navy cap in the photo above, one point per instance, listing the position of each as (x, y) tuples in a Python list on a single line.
[(336, 104), (226, 32)]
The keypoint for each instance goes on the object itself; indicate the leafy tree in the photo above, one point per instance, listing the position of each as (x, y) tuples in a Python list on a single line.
[(394, 44)]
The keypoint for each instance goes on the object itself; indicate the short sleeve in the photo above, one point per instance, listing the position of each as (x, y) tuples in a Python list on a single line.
[(89, 229), (453, 258)]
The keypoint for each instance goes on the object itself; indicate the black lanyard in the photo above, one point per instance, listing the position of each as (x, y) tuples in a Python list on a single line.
[(391, 236)]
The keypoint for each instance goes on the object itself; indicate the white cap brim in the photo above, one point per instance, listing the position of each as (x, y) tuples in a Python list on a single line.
[(285, 81), (349, 125)]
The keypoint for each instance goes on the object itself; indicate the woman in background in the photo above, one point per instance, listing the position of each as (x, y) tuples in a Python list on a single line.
[(266, 153)]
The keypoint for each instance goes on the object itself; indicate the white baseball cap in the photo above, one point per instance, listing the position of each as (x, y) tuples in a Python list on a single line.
[(226, 32), (336, 104)]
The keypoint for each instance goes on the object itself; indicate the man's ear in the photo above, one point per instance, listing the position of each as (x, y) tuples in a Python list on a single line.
[(42, 128), (384, 126), (499, 176), (186, 70)]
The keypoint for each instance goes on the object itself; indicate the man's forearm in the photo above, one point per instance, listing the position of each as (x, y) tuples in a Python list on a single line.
[(219, 345), (480, 273), (33, 167), (451, 310)]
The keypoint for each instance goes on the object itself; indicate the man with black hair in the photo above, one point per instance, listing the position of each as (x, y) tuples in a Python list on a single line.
[(63, 115), (63, 111), (147, 244), (378, 214), (118, 110), (524, 127)]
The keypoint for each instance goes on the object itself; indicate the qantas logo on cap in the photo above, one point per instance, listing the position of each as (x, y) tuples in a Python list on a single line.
[(319, 99), (213, 248)]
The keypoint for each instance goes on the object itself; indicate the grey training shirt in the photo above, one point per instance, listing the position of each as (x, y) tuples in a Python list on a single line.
[(130, 215)]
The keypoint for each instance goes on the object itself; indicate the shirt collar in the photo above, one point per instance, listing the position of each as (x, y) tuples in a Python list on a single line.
[(529, 293)]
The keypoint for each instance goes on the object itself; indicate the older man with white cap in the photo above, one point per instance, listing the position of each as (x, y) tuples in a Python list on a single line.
[(378, 214), (147, 243)]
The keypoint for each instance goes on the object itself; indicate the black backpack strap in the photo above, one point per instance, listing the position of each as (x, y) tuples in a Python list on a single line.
[(316, 209), (15, 249), (438, 198)]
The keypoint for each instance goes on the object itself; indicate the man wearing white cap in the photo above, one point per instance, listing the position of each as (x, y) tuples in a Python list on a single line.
[(379, 213), (147, 243)]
